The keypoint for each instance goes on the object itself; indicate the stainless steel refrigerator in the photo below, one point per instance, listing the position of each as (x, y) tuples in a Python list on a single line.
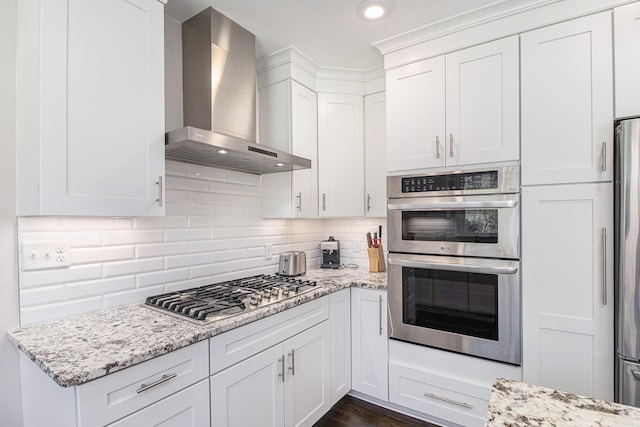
[(627, 260)]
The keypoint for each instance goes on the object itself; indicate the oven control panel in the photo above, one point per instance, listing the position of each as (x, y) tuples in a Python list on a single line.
[(485, 180)]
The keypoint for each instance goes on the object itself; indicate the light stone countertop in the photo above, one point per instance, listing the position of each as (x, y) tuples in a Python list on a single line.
[(78, 349), (517, 404)]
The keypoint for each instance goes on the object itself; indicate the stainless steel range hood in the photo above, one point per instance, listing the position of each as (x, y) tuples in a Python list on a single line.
[(219, 90)]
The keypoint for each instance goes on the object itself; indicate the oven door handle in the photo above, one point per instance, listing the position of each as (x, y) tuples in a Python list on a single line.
[(468, 268), (484, 204)]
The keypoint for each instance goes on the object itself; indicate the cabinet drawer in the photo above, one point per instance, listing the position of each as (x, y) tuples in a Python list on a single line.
[(447, 398), (110, 398), (189, 407), (238, 344)]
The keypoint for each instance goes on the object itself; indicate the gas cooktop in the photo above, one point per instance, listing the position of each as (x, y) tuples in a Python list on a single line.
[(221, 300)]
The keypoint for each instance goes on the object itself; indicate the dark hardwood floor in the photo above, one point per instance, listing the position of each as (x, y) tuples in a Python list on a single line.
[(353, 412)]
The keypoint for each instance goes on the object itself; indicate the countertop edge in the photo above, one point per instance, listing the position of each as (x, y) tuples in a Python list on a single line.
[(75, 377)]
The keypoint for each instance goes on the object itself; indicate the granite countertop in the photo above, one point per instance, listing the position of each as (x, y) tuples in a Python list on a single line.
[(517, 404), (78, 349)]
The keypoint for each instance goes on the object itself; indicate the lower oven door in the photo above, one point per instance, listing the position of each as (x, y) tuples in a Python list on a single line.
[(466, 305)]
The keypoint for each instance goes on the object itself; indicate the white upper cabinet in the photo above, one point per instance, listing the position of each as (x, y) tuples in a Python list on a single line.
[(626, 34), (415, 115), (375, 135), (458, 109), (567, 102), (341, 154), (289, 122), (90, 107), (483, 104)]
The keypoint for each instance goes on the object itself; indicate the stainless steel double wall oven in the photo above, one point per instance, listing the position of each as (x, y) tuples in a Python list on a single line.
[(454, 280)]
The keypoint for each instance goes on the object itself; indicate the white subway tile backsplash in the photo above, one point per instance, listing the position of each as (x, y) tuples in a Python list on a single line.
[(136, 296), (132, 236), (187, 235), (213, 231), (54, 276), (179, 183), (133, 267), (187, 210), (162, 277), (161, 249), (48, 312), (160, 222), (100, 254), (187, 260)]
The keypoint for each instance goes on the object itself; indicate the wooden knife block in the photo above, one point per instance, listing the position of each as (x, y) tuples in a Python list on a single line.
[(376, 260)]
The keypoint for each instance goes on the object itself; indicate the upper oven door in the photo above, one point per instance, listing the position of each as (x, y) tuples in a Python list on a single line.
[(484, 225)]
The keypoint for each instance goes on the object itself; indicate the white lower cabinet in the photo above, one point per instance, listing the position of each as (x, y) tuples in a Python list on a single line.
[(187, 408), (285, 385), (567, 288), (369, 342), (340, 321), (123, 394), (446, 387)]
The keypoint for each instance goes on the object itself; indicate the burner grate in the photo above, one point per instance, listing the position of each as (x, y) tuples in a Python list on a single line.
[(221, 300)]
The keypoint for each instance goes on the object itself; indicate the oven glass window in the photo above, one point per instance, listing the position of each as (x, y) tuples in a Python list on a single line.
[(463, 303), (476, 226)]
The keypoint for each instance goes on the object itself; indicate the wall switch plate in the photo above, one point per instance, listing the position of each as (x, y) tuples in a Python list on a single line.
[(268, 251), (43, 255)]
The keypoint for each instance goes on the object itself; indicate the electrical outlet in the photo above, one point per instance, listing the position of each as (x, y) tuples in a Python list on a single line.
[(268, 251), (43, 255)]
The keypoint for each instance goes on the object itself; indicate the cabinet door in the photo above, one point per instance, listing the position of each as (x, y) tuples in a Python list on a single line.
[(307, 392), (567, 290), (98, 136), (567, 102), (340, 321), (375, 135), (340, 154), (187, 408), (626, 34), (304, 130), (250, 393), (416, 115), (288, 122), (370, 352), (482, 105)]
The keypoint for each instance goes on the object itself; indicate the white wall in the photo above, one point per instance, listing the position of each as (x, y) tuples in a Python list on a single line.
[(10, 402), (212, 232)]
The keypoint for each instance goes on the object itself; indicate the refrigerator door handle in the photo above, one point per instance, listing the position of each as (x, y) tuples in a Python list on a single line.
[(604, 266), (636, 375)]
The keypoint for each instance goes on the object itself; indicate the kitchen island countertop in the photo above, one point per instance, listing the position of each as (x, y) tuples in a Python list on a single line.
[(78, 349), (517, 404)]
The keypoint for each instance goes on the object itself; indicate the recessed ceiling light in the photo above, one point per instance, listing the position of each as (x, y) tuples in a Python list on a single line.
[(280, 164), (222, 152), (371, 10)]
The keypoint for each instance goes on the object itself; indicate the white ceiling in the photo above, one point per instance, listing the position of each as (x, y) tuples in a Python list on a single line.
[(329, 32)]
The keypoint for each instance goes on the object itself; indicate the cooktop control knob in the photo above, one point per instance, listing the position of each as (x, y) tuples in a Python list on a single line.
[(275, 292), (285, 291), (253, 300)]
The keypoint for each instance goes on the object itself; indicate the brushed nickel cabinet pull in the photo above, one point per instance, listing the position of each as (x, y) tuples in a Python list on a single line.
[(603, 156), (451, 145), (324, 201), (444, 399), (437, 147), (604, 266), (380, 314), (299, 201), (368, 202), (159, 184), (281, 361), (164, 379), (292, 368)]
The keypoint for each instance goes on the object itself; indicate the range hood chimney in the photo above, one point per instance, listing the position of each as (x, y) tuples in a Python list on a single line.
[(219, 90)]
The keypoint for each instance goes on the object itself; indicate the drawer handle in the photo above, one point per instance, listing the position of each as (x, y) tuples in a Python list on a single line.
[(444, 399), (164, 379), (292, 368)]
